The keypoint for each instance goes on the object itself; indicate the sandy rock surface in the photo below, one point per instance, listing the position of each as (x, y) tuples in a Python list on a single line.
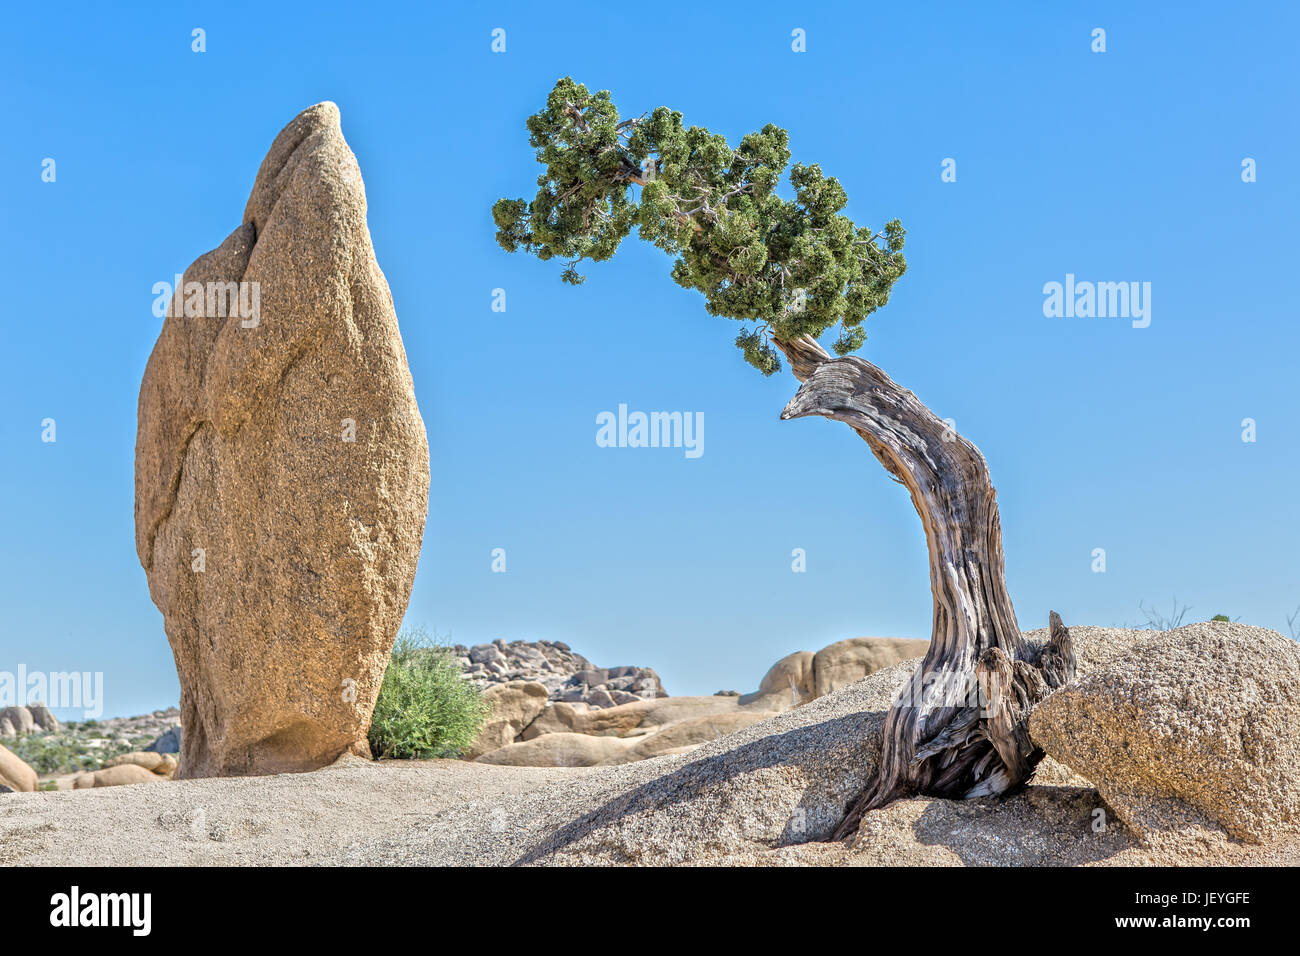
[(288, 819)]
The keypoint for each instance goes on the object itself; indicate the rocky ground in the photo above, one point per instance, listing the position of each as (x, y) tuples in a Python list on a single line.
[(767, 794), (454, 812)]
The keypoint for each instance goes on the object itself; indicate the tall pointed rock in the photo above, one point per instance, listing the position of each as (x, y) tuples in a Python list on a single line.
[(282, 471)]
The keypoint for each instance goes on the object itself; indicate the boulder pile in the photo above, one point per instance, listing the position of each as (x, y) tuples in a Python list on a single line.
[(552, 708), (567, 676), (168, 742), (34, 718)]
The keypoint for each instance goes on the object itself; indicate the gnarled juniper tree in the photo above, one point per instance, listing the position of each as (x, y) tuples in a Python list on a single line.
[(794, 269)]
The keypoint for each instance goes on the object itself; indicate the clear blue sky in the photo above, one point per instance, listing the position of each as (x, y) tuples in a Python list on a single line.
[(1122, 166)]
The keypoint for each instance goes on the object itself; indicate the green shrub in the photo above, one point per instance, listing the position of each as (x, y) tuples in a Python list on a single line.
[(67, 751), (55, 753), (46, 754), (425, 708), (1220, 617)]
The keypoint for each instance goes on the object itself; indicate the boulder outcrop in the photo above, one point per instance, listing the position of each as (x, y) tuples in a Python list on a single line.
[(514, 706), (567, 676), (20, 721), (1192, 727)]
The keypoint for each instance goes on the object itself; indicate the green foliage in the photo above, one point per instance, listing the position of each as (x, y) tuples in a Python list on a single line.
[(50, 754), (425, 708), (1221, 617), (793, 267), (68, 751)]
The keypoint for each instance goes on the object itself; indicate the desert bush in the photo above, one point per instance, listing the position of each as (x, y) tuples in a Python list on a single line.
[(55, 753), (1159, 621), (425, 708), (44, 754), (64, 752)]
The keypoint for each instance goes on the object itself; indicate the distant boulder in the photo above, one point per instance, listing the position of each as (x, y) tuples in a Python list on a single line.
[(119, 776), (566, 675), (804, 676), (840, 664), (514, 706), (164, 765), (15, 773), (561, 750), (20, 719), (44, 718), (787, 683), (168, 743)]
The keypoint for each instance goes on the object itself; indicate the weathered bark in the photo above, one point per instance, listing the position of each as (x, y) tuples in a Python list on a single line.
[(959, 728)]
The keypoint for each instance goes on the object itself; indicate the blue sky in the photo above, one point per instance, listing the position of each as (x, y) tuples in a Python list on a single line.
[(1115, 166)]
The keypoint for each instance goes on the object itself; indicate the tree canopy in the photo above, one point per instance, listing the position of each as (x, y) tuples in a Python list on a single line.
[(792, 267)]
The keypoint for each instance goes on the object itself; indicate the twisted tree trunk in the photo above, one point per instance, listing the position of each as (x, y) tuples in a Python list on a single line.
[(959, 728)]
